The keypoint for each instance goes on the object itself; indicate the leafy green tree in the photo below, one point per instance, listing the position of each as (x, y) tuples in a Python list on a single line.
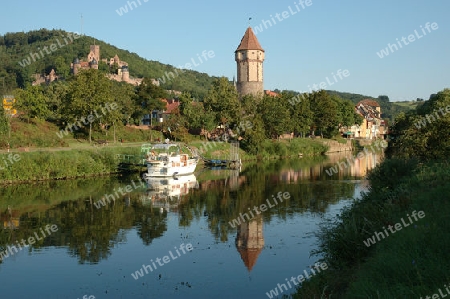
[(301, 113), (54, 94), (421, 133), (253, 136), (62, 68), (275, 116), (325, 113), (148, 97), (223, 100), (125, 97), (88, 95), (32, 102)]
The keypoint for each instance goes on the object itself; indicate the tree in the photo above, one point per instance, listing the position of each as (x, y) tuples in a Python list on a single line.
[(422, 133), (275, 116), (124, 95), (32, 102), (148, 97), (223, 100), (88, 99), (301, 114), (54, 94), (254, 136), (325, 112)]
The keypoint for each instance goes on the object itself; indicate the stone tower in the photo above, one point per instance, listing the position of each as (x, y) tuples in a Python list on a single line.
[(76, 66), (94, 53), (249, 58), (125, 74)]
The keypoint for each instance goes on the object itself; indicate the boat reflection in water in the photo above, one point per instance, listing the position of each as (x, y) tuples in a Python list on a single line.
[(166, 193)]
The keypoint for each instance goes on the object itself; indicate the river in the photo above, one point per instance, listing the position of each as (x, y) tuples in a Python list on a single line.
[(172, 238)]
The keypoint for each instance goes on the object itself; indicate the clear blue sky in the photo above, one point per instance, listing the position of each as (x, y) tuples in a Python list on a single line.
[(301, 50)]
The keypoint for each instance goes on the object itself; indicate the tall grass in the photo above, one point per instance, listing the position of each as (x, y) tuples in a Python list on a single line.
[(36, 166), (410, 263)]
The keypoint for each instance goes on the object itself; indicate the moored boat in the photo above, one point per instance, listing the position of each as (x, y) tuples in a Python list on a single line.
[(167, 160)]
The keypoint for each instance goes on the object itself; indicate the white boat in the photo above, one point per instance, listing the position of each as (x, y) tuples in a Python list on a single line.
[(167, 160)]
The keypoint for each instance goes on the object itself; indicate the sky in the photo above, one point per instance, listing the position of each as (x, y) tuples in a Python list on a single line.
[(312, 42)]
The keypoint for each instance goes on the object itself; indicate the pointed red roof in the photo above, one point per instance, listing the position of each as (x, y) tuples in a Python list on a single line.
[(249, 41), (249, 257)]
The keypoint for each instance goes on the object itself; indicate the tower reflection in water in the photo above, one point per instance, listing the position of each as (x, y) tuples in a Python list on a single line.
[(250, 241)]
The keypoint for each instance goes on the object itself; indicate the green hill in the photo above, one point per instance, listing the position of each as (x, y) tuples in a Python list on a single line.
[(16, 47), (389, 109)]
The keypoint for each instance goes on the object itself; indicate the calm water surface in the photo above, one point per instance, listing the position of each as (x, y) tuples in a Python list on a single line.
[(96, 249)]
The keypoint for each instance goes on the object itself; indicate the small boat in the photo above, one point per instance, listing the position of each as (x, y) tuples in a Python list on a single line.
[(167, 160)]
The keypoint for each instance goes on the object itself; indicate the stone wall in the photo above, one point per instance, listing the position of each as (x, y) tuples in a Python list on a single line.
[(336, 147)]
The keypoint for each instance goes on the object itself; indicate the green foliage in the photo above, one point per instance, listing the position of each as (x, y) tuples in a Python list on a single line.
[(324, 108), (389, 109), (34, 166), (4, 123), (31, 102), (15, 47), (275, 116), (423, 132), (413, 261), (223, 101)]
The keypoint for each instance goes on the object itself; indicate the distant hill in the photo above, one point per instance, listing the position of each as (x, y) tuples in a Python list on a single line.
[(16, 48), (388, 109)]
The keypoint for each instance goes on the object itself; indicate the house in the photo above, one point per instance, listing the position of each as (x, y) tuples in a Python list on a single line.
[(159, 116), (373, 126)]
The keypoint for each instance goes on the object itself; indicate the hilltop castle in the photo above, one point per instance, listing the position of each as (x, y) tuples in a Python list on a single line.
[(122, 74), (249, 58)]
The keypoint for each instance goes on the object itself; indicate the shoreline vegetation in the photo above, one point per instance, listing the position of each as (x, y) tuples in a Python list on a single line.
[(78, 161), (413, 263)]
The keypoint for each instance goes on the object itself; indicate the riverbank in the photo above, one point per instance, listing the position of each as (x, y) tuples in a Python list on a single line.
[(82, 159), (375, 251)]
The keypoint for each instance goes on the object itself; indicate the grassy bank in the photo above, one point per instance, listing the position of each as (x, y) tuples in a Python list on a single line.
[(40, 134), (271, 149), (409, 263), (37, 166)]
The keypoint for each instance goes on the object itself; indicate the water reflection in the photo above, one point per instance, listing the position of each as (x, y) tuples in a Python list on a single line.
[(250, 241), (200, 205), (166, 193)]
